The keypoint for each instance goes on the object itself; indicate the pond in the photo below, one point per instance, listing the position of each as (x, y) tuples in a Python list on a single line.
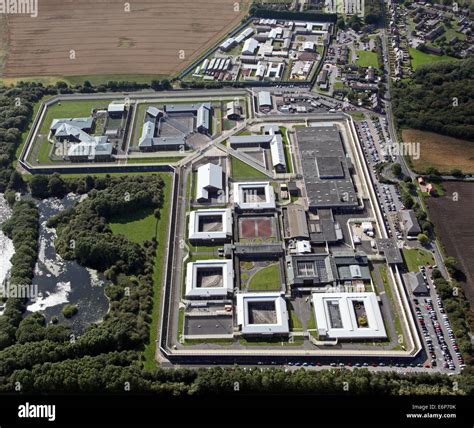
[(60, 281)]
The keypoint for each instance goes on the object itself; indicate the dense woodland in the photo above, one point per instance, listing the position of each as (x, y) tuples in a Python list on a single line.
[(439, 98)]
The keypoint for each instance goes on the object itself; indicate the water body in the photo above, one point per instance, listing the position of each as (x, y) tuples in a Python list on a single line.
[(6, 245), (60, 281)]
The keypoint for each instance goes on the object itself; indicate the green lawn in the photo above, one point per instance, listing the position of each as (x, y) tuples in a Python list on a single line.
[(266, 279), (67, 109), (388, 291), (287, 149), (295, 323), (414, 258), (44, 150), (419, 58), (357, 115), (242, 170), (161, 237), (64, 109), (25, 133), (137, 226), (170, 159), (271, 341), (180, 322), (79, 80), (367, 59)]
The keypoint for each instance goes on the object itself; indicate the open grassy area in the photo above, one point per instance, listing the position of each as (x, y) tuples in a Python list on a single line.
[(367, 59), (416, 257), (79, 80), (357, 115), (66, 109), (295, 323), (59, 110), (25, 133), (419, 58), (165, 159), (161, 237), (266, 279), (274, 341), (396, 319), (137, 226), (287, 149), (242, 170)]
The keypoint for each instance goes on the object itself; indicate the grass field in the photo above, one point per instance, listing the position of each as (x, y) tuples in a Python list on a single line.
[(287, 149), (65, 109), (79, 80), (419, 58), (162, 238), (414, 258), (266, 279), (295, 323), (165, 159), (396, 318), (24, 135), (137, 226), (242, 170), (440, 151), (367, 59)]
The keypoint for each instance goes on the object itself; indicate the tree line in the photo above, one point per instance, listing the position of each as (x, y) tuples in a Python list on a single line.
[(439, 98)]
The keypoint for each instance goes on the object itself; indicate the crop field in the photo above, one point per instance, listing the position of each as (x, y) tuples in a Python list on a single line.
[(453, 221), (137, 38), (440, 151)]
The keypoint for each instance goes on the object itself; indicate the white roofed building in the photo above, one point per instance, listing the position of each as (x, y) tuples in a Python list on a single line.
[(209, 179), (262, 314), (250, 47), (348, 316), (254, 196), (209, 279), (210, 225)]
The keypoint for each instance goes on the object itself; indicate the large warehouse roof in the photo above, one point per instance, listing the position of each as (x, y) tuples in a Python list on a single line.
[(325, 167), (264, 99)]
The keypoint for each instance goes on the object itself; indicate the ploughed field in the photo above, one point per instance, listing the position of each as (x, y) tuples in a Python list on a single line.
[(454, 226), (90, 37)]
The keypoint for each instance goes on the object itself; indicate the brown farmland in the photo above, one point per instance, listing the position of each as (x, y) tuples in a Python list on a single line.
[(455, 228), (107, 40), (441, 152)]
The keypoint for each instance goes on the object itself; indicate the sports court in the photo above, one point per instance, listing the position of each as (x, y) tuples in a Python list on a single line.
[(257, 227)]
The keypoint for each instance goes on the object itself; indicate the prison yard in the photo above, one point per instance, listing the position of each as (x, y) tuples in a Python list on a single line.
[(117, 130), (271, 260)]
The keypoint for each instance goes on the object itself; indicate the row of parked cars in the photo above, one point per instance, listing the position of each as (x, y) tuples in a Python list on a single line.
[(369, 148), (452, 339)]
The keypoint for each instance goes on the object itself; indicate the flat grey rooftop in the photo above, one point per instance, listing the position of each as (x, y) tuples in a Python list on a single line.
[(325, 168), (208, 325), (390, 250)]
